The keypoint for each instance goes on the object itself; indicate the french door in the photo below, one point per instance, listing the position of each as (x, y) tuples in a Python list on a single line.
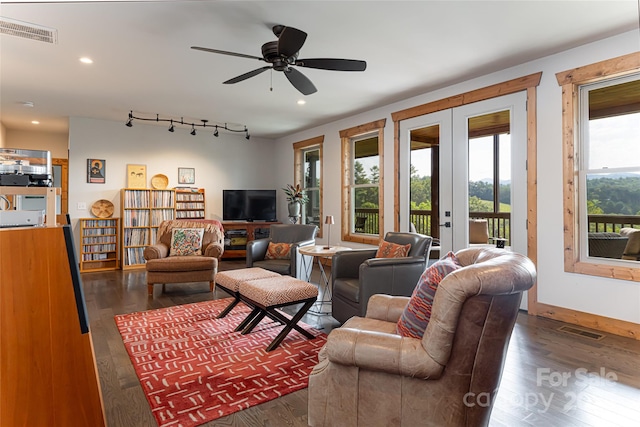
[(467, 163)]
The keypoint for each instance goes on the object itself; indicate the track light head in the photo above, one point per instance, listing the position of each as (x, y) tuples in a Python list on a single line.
[(129, 123), (247, 136), (193, 130), (215, 132), (171, 129)]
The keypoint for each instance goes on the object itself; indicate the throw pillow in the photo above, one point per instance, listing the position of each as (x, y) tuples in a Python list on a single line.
[(278, 251), (392, 250), (416, 315), (186, 241)]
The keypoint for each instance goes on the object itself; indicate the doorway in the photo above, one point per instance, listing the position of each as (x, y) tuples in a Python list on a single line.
[(467, 172)]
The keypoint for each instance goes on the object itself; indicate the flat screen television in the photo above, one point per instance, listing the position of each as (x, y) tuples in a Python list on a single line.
[(249, 205)]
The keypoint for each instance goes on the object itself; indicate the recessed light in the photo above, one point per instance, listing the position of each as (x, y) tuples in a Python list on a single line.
[(35, 122), (27, 104), (86, 60), (301, 102)]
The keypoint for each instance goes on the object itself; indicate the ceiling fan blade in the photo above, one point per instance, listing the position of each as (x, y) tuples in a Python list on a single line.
[(224, 52), (333, 64), (290, 41), (300, 81), (245, 76)]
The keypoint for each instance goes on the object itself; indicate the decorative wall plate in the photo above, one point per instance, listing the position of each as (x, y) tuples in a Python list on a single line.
[(159, 181), (102, 209)]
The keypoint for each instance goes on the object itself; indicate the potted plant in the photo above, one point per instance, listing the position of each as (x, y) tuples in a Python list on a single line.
[(296, 198)]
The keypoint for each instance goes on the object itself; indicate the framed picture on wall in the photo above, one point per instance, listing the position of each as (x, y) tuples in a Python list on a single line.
[(136, 176), (96, 171), (186, 176)]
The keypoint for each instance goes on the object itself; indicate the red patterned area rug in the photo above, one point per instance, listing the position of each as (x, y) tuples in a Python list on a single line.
[(194, 368)]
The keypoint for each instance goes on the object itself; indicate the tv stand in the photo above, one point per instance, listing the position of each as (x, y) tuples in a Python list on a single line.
[(238, 233)]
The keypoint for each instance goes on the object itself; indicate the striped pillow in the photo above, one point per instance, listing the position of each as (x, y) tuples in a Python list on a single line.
[(415, 317)]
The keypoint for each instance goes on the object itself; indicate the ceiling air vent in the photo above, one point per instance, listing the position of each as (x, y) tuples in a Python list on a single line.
[(26, 30)]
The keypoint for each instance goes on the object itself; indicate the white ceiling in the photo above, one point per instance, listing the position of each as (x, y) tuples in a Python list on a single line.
[(143, 61)]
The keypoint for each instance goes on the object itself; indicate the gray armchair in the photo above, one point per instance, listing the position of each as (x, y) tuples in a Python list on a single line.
[(357, 275), (296, 234)]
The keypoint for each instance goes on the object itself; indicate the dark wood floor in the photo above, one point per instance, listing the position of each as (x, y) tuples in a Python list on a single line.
[(551, 377)]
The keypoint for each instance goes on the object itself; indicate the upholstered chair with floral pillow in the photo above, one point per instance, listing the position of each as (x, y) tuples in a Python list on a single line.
[(434, 359), (393, 269), (185, 251)]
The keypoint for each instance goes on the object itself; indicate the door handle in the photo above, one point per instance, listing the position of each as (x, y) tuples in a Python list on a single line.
[(446, 224)]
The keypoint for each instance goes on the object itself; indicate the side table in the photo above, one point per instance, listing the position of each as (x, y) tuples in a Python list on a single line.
[(321, 255)]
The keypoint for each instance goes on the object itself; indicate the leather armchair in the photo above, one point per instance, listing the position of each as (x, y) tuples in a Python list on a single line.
[(296, 234), (357, 275), (368, 375), (162, 268)]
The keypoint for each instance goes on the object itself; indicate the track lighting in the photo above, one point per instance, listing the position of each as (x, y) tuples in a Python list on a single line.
[(173, 122), (130, 121)]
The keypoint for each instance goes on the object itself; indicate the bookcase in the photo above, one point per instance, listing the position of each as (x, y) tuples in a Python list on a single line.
[(99, 244), (142, 212), (190, 203)]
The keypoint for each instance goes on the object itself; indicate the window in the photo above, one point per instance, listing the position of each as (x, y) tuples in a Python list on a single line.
[(308, 172), (362, 177), (602, 166), (490, 172)]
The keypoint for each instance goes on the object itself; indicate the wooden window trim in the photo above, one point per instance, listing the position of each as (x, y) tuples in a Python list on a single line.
[(298, 160), (570, 81), (345, 136)]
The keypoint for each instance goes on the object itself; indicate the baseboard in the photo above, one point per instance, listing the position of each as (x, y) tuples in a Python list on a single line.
[(588, 320)]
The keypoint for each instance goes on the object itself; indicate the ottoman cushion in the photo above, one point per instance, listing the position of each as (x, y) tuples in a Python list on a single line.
[(182, 263), (277, 290), (231, 279)]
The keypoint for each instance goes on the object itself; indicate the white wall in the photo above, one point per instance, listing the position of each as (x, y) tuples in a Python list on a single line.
[(56, 143), (226, 162), (616, 299)]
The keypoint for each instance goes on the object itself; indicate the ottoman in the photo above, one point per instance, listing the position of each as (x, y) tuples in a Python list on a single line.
[(230, 281), (181, 269), (266, 295)]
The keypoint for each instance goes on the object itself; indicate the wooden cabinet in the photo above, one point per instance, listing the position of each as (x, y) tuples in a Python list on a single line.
[(48, 374), (238, 234), (190, 204), (99, 244), (142, 212)]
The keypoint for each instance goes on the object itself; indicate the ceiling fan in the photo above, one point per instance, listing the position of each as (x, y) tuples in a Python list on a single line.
[(282, 54)]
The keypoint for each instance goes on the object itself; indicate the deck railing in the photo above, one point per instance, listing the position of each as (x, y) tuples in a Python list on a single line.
[(612, 223), (499, 222)]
